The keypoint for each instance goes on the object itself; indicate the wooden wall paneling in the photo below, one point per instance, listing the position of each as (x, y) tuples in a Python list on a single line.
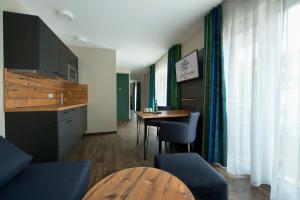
[(28, 90), (76, 94)]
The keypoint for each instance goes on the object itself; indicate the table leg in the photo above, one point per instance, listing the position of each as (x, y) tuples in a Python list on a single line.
[(145, 140), (138, 129)]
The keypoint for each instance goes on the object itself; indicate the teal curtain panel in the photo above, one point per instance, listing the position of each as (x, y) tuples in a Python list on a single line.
[(152, 87), (173, 88), (214, 141)]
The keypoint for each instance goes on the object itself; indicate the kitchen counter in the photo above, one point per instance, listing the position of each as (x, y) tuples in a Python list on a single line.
[(44, 108)]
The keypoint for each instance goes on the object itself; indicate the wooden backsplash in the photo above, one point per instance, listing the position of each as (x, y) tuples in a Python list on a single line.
[(24, 90)]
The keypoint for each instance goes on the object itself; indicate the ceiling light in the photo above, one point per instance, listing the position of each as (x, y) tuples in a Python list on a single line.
[(65, 15), (80, 39)]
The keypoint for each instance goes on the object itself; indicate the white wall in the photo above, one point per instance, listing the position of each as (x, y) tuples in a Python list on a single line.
[(123, 70), (14, 6), (97, 68), (196, 41)]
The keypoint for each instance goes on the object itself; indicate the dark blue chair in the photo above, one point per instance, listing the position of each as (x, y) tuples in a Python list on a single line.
[(203, 180), (155, 123), (179, 132)]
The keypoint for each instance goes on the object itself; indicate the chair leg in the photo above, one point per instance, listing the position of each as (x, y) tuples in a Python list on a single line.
[(147, 142), (166, 146), (159, 146), (189, 147), (171, 148)]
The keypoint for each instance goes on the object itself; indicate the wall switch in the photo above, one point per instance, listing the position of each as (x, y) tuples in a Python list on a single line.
[(50, 96)]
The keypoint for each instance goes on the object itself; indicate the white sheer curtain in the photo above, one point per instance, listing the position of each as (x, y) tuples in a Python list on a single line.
[(262, 66), (161, 74)]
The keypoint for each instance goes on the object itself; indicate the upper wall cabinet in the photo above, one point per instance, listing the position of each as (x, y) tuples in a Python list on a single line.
[(31, 46), (67, 61)]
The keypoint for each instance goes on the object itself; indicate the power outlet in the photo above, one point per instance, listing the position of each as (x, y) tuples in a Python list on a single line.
[(50, 96)]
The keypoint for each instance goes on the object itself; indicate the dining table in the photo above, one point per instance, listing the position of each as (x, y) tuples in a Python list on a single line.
[(160, 115)]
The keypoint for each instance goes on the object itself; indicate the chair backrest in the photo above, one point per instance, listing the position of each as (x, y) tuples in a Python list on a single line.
[(193, 123), (164, 107)]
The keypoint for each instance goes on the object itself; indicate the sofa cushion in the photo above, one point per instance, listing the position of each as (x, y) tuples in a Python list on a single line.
[(12, 160), (204, 181), (49, 181)]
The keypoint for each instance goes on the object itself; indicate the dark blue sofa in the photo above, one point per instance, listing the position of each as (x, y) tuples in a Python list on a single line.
[(46, 181), (204, 181)]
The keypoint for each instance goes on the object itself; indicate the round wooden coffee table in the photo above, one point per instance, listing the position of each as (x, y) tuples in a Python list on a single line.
[(138, 184)]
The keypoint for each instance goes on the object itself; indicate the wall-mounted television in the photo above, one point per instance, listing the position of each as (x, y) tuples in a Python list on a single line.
[(187, 68)]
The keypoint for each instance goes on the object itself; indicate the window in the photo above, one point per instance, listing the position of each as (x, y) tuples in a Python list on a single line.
[(290, 98), (262, 59), (161, 74)]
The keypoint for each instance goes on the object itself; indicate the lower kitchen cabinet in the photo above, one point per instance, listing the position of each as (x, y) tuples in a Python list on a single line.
[(47, 135), (64, 138)]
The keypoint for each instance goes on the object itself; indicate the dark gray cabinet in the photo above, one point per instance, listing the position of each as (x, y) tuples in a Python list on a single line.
[(77, 121), (71, 125), (48, 46), (63, 59), (66, 58), (48, 136), (30, 45), (21, 40), (64, 138)]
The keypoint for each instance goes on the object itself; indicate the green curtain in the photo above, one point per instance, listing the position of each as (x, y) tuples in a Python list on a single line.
[(173, 88), (138, 96), (214, 141), (152, 87)]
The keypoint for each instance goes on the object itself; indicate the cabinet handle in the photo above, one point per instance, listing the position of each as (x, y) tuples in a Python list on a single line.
[(69, 121), (59, 74), (65, 112)]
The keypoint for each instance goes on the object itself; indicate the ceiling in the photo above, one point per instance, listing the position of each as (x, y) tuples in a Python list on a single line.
[(141, 31)]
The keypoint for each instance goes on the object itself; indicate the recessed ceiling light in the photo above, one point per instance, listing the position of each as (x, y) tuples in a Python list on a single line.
[(65, 15), (80, 39)]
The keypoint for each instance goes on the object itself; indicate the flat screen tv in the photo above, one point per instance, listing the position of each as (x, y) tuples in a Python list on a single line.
[(187, 67)]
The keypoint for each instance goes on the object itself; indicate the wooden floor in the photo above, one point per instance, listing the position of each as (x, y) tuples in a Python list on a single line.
[(112, 152)]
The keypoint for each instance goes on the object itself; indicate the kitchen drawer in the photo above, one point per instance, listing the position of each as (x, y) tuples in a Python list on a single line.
[(64, 115)]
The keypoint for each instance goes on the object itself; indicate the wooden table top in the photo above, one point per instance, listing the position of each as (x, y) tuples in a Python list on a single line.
[(164, 114), (140, 183)]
